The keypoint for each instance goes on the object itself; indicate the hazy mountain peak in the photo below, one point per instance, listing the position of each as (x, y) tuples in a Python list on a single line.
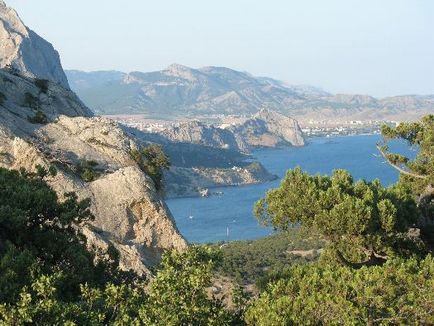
[(24, 50), (180, 71)]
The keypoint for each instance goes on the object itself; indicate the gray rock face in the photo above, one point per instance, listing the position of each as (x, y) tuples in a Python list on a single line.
[(196, 132), (186, 182), (269, 129), (264, 129), (24, 50), (129, 213)]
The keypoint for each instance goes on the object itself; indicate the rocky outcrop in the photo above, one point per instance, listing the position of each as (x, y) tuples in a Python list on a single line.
[(269, 129), (42, 122), (196, 132), (24, 50), (264, 129), (129, 213), (189, 182)]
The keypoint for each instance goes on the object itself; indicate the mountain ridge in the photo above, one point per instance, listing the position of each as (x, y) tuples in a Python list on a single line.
[(181, 91)]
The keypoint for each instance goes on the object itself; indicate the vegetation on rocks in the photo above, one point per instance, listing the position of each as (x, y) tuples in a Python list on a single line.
[(153, 161), (87, 169), (31, 101), (42, 84), (38, 118)]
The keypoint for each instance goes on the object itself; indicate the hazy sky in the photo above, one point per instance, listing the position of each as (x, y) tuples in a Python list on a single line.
[(378, 47)]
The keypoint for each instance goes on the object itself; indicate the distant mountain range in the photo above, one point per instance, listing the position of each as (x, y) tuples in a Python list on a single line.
[(180, 91)]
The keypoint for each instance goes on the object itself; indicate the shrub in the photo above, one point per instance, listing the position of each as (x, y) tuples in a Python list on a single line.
[(31, 101), (398, 293), (87, 170), (42, 84), (38, 118), (152, 160)]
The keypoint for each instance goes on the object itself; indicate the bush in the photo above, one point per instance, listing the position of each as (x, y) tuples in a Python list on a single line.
[(257, 260), (42, 84), (176, 296), (31, 101), (152, 160), (397, 293), (38, 235), (87, 169), (38, 118)]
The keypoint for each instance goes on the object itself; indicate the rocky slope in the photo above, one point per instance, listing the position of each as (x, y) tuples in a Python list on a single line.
[(180, 91), (189, 182), (24, 50), (44, 123), (269, 129), (129, 212), (196, 132), (264, 129)]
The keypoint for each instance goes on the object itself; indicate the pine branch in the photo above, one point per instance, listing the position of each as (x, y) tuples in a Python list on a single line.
[(401, 170)]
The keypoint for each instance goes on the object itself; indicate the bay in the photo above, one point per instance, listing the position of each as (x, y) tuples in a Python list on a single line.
[(230, 216)]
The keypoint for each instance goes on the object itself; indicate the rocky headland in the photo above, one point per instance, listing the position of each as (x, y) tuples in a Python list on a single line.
[(42, 122)]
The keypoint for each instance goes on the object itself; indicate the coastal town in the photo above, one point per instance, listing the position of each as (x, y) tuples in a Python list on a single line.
[(310, 128)]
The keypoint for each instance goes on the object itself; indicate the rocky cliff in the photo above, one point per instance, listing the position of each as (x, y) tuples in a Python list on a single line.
[(44, 123), (129, 212), (269, 129), (26, 51), (266, 128), (196, 132), (189, 182)]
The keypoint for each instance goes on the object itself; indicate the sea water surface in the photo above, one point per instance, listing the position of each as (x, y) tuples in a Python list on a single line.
[(230, 217)]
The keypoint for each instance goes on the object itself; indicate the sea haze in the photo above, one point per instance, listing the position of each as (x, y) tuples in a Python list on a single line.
[(213, 217)]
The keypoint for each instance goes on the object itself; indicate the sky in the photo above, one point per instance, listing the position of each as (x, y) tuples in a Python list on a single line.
[(376, 47)]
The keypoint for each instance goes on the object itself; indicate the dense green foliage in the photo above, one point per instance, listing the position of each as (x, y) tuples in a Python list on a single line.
[(176, 296), (417, 172), (38, 235), (401, 292), (375, 270), (256, 260), (364, 222), (48, 276), (153, 161)]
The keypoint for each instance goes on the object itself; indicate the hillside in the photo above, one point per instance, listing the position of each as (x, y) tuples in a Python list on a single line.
[(180, 91), (42, 122)]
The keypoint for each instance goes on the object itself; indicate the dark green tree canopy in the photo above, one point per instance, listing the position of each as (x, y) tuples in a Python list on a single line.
[(364, 222), (39, 234), (418, 172)]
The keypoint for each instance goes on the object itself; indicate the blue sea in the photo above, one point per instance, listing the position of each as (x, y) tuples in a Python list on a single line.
[(230, 217)]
